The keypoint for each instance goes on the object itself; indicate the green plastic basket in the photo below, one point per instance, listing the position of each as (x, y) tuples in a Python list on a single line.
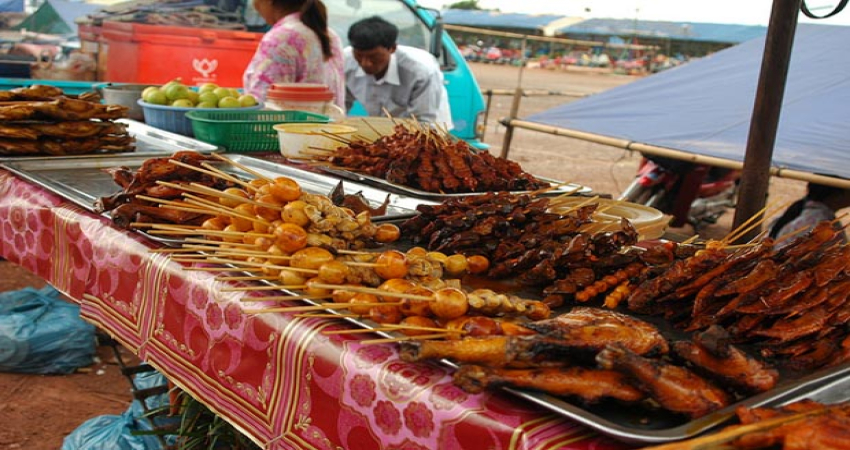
[(246, 131)]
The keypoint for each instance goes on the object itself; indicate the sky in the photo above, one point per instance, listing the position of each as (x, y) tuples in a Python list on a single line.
[(743, 12)]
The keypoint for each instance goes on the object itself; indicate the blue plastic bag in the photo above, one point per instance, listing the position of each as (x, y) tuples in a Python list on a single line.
[(43, 334), (111, 432)]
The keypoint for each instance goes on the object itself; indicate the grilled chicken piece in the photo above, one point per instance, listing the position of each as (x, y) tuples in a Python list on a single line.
[(33, 92), (126, 214), (595, 328), (493, 351), (48, 146), (590, 385), (675, 388), (62, 108), (713, 356), (74, 129), (823, 427)]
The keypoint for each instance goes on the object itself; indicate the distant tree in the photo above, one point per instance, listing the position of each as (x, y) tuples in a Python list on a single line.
[(466, 4)]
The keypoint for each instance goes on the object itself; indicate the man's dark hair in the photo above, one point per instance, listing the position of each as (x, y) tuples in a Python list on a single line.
[(372, 32)]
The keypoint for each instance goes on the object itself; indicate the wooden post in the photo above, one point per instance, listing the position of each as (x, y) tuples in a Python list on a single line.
[(765, 119), (509, 129), (489, 93)]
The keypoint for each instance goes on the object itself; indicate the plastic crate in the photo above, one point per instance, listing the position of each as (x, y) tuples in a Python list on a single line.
[(173, 118), (245, 131)]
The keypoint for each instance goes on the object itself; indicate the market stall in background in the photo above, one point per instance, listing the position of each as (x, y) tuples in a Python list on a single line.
[(383, 283)]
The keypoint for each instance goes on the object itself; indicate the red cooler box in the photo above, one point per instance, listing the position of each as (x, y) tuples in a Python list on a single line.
[(156, 54)]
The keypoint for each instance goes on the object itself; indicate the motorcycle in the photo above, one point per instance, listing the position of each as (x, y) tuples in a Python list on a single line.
[(694, 194)]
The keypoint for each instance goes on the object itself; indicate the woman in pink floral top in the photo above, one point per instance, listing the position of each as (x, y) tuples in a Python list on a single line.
[(299, 48)]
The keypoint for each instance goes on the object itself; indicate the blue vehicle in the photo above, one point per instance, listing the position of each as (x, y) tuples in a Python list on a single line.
[(421, 27)]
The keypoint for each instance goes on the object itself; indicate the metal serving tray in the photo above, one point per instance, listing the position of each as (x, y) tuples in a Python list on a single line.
[(150, 142), (640, 425), (83, 181), (561, 188)]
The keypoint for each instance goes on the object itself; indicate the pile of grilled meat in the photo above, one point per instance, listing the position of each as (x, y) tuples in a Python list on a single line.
[(42, 120), (424, 158)]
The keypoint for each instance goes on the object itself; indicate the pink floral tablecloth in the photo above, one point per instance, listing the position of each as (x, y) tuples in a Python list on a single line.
[(277, 378)]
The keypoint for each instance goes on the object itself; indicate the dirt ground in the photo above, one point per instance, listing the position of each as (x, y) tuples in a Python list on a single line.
[(37, 412)]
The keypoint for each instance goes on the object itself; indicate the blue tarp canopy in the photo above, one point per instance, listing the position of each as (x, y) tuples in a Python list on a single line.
[(11, 6), (705, 107), (57, 17)]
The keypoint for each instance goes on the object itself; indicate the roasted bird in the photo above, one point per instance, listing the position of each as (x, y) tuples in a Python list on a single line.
[(76, 129), (589, 385), (58, 147), (127, 208), (491, 351), (713, 356), (33, 92), (675, 388), (594, 329), (41, 120), (809, 425), (62, 108)]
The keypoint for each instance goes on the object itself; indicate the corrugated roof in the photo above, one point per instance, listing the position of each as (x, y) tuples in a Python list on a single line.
[(693, 31), (485, 19)]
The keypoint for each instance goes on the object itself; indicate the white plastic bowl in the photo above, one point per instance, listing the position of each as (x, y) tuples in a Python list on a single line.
[(307, 140)]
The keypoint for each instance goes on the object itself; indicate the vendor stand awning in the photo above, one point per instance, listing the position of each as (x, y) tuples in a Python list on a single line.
[(705, 107), (275, 377)]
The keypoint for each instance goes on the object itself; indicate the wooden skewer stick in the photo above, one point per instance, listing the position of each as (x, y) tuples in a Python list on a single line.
[(713, 441), (173, 250), (209, 170), (368, 290), (328, 316), (245, 278), (220, 269), (236, 262), (280, 298), (405, 338), (175, 205), (261, 288), (242, 166), (356, 331), (196, 240), (321, 307), (741, 230), (211, 232), (206, 190), (575, 207), (229, 177), (398, 326), (223, 210), (355, 252), (154, 225), (690, 240)]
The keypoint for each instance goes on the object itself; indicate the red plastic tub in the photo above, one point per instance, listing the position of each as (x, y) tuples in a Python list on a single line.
[(142, 53)]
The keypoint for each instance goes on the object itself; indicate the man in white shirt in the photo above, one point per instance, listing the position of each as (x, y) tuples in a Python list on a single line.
[(383, 76)]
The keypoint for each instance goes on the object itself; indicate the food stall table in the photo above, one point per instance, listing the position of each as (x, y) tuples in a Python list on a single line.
[(275, 377)]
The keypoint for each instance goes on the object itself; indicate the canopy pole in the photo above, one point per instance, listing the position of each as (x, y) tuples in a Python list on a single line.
[(654, 150), (755, 177), (509, 130)]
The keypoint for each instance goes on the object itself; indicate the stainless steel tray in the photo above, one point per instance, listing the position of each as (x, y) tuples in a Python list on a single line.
[(639, 425), (634, 425), (150, 142), (384, 184), (83, 181)]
